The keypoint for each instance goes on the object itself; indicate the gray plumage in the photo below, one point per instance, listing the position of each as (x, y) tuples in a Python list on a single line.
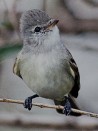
[(32, 18), (44, 63)]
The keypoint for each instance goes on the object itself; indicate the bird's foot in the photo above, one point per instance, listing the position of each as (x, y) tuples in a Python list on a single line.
[(67, 108), (28, 103)]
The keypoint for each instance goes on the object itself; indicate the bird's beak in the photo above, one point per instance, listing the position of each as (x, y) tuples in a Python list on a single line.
[(51, 24)]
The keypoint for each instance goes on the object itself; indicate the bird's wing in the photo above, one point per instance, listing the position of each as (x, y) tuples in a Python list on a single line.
[(76, 87), (75, 73), (16, 69)]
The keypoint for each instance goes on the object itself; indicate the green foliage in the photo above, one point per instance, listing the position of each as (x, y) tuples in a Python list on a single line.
[(8, 50), (7, 25)]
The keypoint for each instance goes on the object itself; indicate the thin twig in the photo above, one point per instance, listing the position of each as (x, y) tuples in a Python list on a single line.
[(50, 106)]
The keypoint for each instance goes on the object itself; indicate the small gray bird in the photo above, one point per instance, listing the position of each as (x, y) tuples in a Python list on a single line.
[(45, 64)]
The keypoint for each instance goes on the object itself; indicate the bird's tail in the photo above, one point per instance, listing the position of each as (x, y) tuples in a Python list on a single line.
[(72, 102)]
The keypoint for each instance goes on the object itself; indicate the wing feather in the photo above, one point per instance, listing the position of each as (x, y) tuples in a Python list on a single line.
[(16, 68), (75, 74), (76, 87)]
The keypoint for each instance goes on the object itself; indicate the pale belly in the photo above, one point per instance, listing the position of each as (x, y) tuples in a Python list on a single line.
[(45, 78)]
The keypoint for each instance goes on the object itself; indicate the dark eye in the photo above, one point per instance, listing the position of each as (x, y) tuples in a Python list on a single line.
[(37, 29)]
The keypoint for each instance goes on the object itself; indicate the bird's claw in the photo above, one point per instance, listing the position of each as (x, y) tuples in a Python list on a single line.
[(67, 108), (28, 103)]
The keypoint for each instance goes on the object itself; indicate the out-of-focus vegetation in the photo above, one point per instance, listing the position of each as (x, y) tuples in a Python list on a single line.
[(8, 25), (8, 50)]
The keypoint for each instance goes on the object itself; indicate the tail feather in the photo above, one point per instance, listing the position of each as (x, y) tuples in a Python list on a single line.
[(73, 104)]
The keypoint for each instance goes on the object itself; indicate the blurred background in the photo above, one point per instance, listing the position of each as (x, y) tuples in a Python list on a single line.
[(79, 31)]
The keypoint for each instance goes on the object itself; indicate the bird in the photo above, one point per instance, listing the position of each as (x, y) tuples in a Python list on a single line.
[(45, 64)]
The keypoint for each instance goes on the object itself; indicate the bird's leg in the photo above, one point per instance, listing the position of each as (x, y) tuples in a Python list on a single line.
[(28, 102), (67, 107)]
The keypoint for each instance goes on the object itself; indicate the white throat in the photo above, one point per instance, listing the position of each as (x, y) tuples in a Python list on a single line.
[(53, 38)]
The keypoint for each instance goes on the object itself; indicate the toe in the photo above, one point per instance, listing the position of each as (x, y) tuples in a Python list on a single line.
[(67, 108), (28, 103), (30, 106)]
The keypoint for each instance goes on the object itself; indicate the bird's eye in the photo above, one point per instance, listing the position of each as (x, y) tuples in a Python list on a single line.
[(37, 29)]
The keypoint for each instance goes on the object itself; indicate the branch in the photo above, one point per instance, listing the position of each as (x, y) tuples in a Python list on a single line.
[(50, 106)]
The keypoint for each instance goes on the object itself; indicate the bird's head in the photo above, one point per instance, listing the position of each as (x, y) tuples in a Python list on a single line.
[(36, 25)]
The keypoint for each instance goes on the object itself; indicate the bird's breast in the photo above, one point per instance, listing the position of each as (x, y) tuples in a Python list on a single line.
[(44, 74)]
